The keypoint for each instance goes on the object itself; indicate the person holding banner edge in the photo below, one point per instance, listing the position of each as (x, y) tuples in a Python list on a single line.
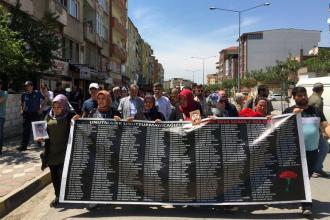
[(311, 135), (58, 128)]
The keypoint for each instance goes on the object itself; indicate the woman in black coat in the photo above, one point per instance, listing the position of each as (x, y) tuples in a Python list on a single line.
[(150, 110)]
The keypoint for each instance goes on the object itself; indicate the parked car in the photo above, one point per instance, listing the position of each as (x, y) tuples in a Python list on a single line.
[(277, 97)]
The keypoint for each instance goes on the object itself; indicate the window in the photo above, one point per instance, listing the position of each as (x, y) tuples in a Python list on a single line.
[(70, 50), (98, 24), (103, 4), (100, 28), (256, 36), (63, 2), (73, 8)]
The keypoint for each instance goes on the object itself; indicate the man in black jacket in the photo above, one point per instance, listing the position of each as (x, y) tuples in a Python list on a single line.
[(231, 109)]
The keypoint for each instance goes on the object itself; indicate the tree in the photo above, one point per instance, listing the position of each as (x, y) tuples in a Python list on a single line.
[(11, 52), (249, 82), (41, 42), (320, 63)]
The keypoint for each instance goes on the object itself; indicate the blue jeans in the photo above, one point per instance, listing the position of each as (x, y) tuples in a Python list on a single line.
[(323, 151), (2, 123)]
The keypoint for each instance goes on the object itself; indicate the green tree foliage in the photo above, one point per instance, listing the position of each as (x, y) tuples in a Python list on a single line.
[(228, 83), (11, 52), (248, 82), (320, 63), (213, 87), (278, 73), (41, 42)]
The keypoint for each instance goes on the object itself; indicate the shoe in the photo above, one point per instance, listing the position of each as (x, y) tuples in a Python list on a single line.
[(91, 206), (21, 148), (54, 203), (307, 212), (322, 173)]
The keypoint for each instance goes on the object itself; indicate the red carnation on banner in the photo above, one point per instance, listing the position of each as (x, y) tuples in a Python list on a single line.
[(288, 175)]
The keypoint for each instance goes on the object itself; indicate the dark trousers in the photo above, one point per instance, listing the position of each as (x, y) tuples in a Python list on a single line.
[(56, 173), (311, 157), (28, 117)]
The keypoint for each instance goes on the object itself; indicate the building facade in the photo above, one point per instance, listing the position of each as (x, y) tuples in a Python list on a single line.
[(118, 37), (263, 48), (213, 79), (134, 58), (176, 83), (227, 64), (99, 44)]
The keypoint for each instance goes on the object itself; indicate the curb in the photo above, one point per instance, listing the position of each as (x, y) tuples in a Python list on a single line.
[(23, 193)]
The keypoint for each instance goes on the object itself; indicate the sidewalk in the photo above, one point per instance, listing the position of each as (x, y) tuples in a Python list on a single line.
[(20, 175)]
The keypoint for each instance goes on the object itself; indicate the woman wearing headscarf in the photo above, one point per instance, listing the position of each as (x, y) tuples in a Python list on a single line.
[(218, 105), (58, 129), (260, 109), (104, 107), (239, 101), (150, 110), (186, 105)]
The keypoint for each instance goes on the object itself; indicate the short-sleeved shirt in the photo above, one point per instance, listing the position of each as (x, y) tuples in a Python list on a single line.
[(4, 95), (309, 112), (311, 130), (89, 105), (31, 101)]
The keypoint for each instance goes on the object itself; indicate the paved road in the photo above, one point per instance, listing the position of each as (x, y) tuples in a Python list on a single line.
[(38, 208)]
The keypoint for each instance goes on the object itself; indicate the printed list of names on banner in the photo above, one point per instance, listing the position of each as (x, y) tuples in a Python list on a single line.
[(231, 161)]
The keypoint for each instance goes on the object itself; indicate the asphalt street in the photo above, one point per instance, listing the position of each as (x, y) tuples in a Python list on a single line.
[(38, 207)]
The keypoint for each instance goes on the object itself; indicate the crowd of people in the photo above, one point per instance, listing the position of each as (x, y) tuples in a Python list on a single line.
[(57, 109)]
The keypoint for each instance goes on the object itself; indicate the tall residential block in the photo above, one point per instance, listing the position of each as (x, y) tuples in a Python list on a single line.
[(134, 58), (118, 37), (227, 64), (263, 48)]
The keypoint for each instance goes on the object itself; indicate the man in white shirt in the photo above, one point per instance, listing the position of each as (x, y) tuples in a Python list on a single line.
[(162, 102), (131, 107)]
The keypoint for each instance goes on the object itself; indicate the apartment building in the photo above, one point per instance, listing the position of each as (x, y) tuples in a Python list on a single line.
[(227, 64), (212, 79), (176, 83), (263, 48), (95, 51), (118, 37), (134, 58), (83, 26), (70, 26)]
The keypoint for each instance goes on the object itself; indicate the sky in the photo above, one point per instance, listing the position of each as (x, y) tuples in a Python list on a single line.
[(180, 29)]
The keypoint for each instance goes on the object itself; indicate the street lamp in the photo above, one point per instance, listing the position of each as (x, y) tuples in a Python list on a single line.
[(239, 34), (203, 59), (193, 72)]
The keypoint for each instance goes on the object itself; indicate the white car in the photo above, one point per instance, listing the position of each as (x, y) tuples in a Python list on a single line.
[(277, 97)]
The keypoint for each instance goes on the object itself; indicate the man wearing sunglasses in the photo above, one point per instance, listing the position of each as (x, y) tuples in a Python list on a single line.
[(200, 97)]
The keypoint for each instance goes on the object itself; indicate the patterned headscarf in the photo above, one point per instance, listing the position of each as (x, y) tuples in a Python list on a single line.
[(109, 101)]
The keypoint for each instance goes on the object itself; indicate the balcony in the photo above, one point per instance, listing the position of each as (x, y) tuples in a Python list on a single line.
[(121, 5), (89, 32), (60, 11), (119, 52), (119, 27), (91, 3)]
